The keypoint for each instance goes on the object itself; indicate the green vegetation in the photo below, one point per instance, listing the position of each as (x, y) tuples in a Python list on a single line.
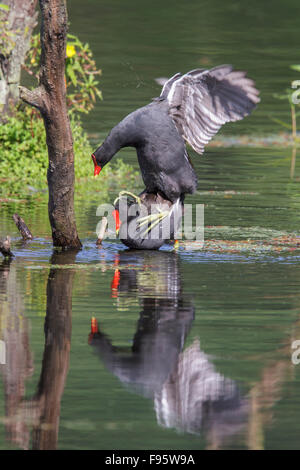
[(24, 156), (81, 72), (6, 37)]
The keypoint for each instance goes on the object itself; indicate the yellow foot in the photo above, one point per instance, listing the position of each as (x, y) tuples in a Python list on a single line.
[(153, 220)]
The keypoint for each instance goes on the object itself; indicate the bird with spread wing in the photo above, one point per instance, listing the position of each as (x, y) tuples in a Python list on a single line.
[(190, 109)]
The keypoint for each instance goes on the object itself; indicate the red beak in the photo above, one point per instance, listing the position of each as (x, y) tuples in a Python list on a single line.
[(97, 168), (116, 216)]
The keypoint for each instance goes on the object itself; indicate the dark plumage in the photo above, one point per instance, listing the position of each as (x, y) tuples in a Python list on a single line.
[(160, 149), (139, 237), (191, 108)]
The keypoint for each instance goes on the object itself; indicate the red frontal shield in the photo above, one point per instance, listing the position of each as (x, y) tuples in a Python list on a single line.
[(97, 168)]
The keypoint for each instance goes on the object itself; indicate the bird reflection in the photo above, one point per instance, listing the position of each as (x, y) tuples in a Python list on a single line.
[(196, 398), (164, 321), (188, 393)]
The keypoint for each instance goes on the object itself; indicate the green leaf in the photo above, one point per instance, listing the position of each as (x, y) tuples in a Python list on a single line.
[(78, 67), (80, 73), (280, 97), (295, 67), (282, 123), (71, 74), (4, 7), (99, 94)]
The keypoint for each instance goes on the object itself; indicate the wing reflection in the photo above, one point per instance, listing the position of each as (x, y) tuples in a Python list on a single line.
[(197, 398)]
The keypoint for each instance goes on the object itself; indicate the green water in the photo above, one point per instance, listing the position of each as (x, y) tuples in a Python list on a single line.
[(194, 349)]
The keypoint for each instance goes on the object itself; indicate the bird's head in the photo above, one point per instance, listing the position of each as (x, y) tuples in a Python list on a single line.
[(102, 156), (97, 168)]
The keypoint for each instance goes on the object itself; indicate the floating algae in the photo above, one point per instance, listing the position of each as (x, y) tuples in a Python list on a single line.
[(253, 240), (261, 233)]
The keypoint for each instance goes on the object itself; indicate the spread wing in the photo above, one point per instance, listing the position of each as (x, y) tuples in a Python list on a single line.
[(201, 101)]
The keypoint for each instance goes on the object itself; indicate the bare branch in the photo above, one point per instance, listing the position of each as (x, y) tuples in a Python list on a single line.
[(102, 230), (33, 97), (22, 227)]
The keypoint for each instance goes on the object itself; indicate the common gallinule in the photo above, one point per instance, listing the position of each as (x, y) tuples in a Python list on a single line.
[(147, 221), (191, 108)]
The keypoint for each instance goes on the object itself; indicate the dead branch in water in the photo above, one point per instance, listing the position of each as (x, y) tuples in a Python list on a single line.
[(22, 227), (102, 230)]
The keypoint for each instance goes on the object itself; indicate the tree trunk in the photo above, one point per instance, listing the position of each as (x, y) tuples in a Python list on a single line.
[(21, 22), (50, 99)]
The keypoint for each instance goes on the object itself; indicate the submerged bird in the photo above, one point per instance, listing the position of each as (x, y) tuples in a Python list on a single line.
[(148, 220), (191, 108)]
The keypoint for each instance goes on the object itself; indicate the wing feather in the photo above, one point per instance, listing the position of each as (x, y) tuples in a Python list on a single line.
[(201, 101)]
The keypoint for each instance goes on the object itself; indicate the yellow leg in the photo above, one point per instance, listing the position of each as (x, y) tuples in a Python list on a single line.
[(176, 245), (128, 193), (154, 219)]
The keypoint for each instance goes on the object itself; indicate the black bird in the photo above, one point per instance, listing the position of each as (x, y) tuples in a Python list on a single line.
[(191, 108), (148, 223)]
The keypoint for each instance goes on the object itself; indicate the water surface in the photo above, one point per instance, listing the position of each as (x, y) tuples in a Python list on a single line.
[(194, 347)]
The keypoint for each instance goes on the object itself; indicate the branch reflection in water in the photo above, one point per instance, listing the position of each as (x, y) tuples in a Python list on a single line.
[(18, 364), (43, 410)]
